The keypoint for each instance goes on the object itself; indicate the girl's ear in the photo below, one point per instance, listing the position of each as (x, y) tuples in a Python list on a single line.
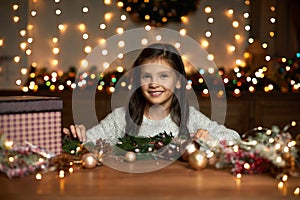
[(178, 84)]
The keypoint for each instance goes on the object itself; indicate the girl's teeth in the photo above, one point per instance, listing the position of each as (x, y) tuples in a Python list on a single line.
[(156, 93)]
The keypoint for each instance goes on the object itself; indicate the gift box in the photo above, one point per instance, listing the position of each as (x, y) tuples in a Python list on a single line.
[(33, 119)]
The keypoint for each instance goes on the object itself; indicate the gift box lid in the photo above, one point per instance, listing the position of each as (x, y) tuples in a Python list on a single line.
[(24, 104)]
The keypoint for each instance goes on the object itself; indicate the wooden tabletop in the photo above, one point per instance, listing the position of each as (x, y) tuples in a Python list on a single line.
[(176, 181)]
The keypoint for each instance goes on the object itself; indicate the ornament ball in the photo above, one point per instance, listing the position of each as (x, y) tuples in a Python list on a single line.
[(198, 160), (189, 148), (89, 160), (130, 156)]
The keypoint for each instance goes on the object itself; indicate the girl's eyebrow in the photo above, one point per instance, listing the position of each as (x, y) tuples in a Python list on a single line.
[(165, 71)]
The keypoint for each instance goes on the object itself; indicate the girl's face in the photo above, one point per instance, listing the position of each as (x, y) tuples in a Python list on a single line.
[(158, 81)]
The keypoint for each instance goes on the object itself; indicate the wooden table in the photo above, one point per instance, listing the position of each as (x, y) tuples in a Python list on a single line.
[(176, 181)]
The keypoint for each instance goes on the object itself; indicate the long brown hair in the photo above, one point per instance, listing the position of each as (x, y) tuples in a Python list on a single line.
[(179, 108)]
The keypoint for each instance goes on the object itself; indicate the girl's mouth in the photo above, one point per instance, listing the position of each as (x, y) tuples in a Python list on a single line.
[(155, 93)]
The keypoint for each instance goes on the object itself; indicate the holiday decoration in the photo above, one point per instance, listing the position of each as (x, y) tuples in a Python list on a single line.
[(260, 150), (278, 75), (144, 144), (130, 156), (19, 161), (157, 12), (89, 160), (189, 148), (198, 160)]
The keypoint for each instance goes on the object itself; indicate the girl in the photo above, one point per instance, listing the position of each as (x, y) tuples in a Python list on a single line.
[(157, 104)]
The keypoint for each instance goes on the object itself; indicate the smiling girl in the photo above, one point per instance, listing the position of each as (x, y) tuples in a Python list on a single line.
[(157, 104)]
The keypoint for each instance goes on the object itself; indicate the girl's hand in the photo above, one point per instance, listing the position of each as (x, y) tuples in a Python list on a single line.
[(201, 134), (78, 131)]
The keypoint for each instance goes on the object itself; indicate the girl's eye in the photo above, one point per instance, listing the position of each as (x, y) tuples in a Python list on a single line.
[(164, 75), (145, 76)]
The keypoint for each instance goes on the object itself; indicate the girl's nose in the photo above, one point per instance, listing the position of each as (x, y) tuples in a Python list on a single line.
[(153, 84)]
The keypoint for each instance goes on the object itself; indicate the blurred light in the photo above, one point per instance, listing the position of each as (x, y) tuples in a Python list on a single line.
[(55, 40), (15, 7), (237, 37), (207, 10), (238, 62), (184, 19), (210, 20), (108, 16), (264, 45), (208, 34), (268, 58), (120, 69), (22, 33), (18, 82), (102, 26), (230, 11), (85, 9), (246, 15), (30, 40), (247, 27), (210, 57), (231, 48), (272, 8), (28, 52), (16, 19), (87, 49), (55, 50), (24, 71), (144, 41), (61, 27), (123, 17), (104, 52), (120, 30), (235, 24), (107, 2), (204, 43), (120, 4), (272, 20), (105, 65), (120, 55), (33, 13), (57, 11), (85, 36), (81, 27), (17, 59), (250, 40), (121, 43), (23, 45), (251, 89), (182, 32), (55, 62)]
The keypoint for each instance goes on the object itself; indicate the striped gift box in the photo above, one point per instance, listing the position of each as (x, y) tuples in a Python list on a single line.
[(33, 119)]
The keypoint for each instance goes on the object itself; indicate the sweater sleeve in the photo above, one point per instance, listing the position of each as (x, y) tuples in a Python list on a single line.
[(110, 128), (218, 132)]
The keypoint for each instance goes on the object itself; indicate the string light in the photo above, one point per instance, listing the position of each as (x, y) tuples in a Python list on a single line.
[(207, 9), (16, 19)]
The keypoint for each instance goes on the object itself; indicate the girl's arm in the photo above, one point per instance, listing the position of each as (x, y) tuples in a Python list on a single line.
[(198, 122), (110, 128)]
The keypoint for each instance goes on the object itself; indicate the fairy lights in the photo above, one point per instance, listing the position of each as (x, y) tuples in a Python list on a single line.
[(114, 21)]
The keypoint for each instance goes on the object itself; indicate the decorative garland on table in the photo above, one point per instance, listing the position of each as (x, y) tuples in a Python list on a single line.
[(261, 150)]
